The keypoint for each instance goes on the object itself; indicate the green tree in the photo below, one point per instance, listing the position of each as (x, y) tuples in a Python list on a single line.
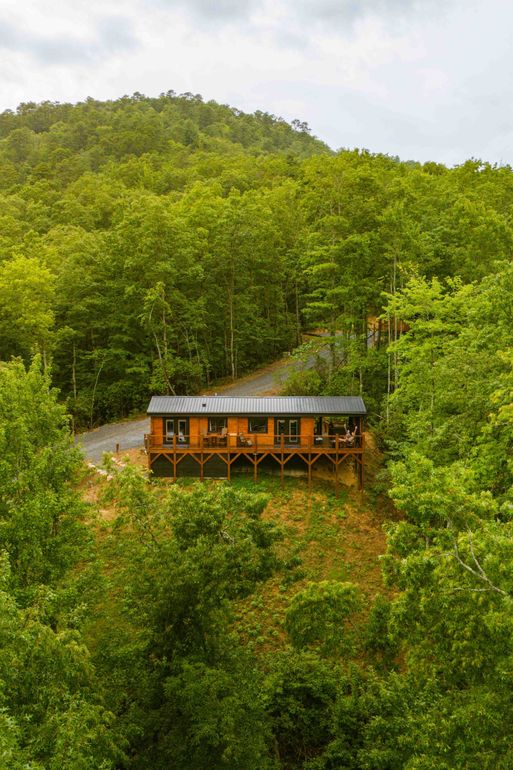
[(26, 302), (194, 694), (41, 514), (320, 616)]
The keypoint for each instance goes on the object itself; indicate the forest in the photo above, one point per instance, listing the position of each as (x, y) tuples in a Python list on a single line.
[(159, 245)]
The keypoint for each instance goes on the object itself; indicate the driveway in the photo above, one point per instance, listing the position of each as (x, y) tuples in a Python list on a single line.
[(130, 434)]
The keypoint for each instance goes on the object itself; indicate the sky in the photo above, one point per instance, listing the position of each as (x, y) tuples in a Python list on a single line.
[(421, 79)]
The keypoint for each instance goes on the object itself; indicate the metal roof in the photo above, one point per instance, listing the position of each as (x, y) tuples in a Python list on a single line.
[(235, 405)]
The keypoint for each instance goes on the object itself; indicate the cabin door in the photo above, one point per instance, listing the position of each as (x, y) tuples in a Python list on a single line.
[(169, 424), (178, 425), (293, 431), (287, 427)]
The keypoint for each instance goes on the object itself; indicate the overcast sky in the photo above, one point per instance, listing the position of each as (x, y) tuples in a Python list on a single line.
[(422, 79)]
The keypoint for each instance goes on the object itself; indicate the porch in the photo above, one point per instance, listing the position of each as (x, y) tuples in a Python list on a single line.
[(213, 436), (218, 456)]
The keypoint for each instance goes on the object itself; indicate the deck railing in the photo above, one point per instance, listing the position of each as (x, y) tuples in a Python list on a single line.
[(253, 442)]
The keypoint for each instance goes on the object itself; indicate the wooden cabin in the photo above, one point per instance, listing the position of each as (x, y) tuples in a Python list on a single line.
[(214, 436)]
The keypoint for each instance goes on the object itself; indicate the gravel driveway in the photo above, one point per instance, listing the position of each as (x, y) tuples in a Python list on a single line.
[(130, 434)]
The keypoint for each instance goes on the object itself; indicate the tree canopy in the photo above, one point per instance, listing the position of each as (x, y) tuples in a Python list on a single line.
[(154, 245)]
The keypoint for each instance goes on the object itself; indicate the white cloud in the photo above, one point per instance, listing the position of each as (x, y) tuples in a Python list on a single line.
[(418, 78), (111, 35)]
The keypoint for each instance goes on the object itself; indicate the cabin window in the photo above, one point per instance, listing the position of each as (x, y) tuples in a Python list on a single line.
[(170, 428), (257, 424), (217, 424)]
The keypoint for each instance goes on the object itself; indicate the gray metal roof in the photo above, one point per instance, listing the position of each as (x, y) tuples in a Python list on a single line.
[(233, 405)]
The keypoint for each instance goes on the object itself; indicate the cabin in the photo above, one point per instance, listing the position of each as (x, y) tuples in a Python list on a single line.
[(215, 436)]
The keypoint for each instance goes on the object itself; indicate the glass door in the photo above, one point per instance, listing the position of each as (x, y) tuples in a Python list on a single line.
[(279, 430), (178, 426), (169, 430), (293, 431), (289, 427), (182, 431)]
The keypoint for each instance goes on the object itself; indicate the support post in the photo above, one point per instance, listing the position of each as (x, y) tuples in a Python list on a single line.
[(362, 444), (255, 458), (282, 447)]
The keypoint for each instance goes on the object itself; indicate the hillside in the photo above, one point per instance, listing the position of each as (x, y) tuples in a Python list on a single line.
[(97, 132), (118, 240), (155, 245)]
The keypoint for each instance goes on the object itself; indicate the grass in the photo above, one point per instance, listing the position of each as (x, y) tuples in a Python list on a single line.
[(324, 538)]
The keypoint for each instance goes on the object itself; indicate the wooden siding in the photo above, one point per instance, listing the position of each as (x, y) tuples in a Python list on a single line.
[(307, 430), (197, 425), (198, 432), (234, 424), (157, 429)]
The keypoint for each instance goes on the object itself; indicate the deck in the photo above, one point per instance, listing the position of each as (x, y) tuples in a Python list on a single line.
[(214, 454)]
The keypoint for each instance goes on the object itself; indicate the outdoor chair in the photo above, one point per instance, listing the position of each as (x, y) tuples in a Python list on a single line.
[(243, 441)]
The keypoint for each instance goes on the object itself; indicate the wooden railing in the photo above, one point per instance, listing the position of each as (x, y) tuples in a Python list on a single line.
[(253, 442)]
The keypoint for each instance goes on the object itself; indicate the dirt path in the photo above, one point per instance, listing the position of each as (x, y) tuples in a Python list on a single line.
[(130, 434)]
